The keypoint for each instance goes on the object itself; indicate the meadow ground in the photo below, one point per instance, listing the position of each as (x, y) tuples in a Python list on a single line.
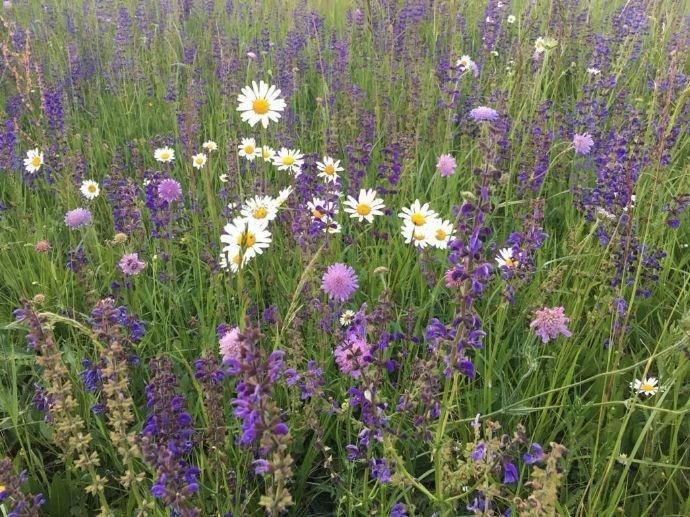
[(318, 257)]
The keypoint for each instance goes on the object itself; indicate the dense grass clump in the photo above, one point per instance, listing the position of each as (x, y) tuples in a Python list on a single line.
[(375, 257)]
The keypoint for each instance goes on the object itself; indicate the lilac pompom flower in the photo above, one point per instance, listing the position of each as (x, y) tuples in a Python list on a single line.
[(483, 114), (230, 345), (583, 143), (550, 322), (169, 190), (352, 356), (446, 165), (130, 264), (77, 218), (339, 282)]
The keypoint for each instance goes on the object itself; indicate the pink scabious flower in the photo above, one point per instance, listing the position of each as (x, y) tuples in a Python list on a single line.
[(230, 345), (583, 143), (42, 246), (130, 264), (484, 114), (451, 283), (339, 282), (446, 165), (352, 356), (169, 190), (77, 218), (550, 322)]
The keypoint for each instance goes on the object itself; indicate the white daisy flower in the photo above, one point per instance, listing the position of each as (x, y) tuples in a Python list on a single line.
[(223, 178), (329, 169), (260, 104), (164, 154), (539, 45), (320, 209), (260, 209), (511, 19), (199, 160), (232, 259), (247, 149), (347, 317), (365, 207), (90, 189), (283, 195), (210, 145), (505, 258), (441, 232), (420, 236), (267, 153), (593, 71), (417, 214), (290, 160), (251, 236), (332, 227), (646, 386), (33, 160)]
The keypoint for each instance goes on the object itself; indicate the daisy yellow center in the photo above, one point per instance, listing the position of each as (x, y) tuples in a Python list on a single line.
[(260, 212), (647, 388), (36, 161), (249, 149), (236, 259), (363, 209), (418, 219), (316, 214), (265, 153), (260, 106), (91, 188), (165, 155), (418, 236), (510, 262), (329, 169), (246, 239), (199, 161), (440, 234), (288, 160), (3, 488)]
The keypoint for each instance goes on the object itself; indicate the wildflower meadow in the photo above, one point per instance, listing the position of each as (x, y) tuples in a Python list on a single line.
[(344, 257)]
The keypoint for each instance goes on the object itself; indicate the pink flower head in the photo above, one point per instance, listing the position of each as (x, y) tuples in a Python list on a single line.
[(231, 345), (451, 283), (352, 356), (169, 190), (339, 282), (483, 114), (550, 323), (42, 246), (77, 218), (446, 165), (583, 143), (130, 264)]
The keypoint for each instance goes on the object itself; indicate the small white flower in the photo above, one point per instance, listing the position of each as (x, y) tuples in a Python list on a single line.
[(646, 386), (199, 160), (260, 103), (347, 317), (223, 178), (290, 160), (33, 160), (247, 149), (251, 236), (593, 71), (365, 207), (267, 153), (420, 236), (417, 214), (511, 19), (260, 209), (329, 169), (283, 195), (539, 45), (210, 145), (505, 258), (164, 155), (90, 189), (441, 232)]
